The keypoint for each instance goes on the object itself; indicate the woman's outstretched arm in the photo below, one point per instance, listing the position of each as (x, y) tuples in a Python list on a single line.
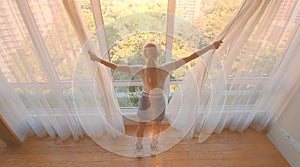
[(214, 45), (94, 57), (180, 62), (123, 68)]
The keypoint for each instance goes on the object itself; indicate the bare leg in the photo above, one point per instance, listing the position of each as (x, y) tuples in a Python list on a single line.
[(156, 131), (140, 132)]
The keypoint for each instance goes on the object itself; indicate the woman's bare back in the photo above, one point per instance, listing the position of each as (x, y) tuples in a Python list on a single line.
[(153, 77)]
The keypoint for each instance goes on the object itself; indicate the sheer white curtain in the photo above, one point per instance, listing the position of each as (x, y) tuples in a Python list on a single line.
[(107, 114), (12, 110), (39, 50), (259, 57)]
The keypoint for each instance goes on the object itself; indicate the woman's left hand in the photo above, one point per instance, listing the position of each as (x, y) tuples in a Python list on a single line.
[(217, 44)]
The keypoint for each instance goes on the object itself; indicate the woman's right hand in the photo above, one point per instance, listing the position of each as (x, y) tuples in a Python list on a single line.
[(217, 44)]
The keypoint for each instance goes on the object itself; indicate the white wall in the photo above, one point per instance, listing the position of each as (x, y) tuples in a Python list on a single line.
[(290, 122)]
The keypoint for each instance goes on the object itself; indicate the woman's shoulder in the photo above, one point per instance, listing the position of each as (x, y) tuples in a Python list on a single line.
[(169, 66)]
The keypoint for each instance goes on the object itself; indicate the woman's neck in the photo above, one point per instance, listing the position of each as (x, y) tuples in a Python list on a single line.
[(152, 64)]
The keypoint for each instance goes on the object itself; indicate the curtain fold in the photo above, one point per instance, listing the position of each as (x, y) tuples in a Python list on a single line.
[(82, 31), (12, 109), (31, 62), (280, 87), (256, 72), (67, 124), (107, 103)]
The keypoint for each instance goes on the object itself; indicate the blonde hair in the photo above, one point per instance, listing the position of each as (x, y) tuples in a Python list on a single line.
[(151, 53), (152, 75)]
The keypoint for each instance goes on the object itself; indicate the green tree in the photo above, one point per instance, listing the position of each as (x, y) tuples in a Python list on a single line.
[(215, 15)]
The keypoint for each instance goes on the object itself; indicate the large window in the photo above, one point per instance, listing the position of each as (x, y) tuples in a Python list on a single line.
[(21, 63), (128, 49)]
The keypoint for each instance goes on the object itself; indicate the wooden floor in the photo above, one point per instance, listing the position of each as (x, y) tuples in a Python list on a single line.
[(250, 148)]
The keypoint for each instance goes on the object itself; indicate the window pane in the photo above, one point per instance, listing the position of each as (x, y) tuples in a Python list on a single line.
[(114, 9), (128, 96), (18, 61), (181, 49), (58, 35), (210, 16)]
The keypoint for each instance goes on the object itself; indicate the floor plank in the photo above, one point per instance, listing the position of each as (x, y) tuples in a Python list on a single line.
[(230, 149)]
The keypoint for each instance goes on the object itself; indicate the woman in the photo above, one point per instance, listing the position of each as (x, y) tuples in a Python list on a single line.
[(152, 104)]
